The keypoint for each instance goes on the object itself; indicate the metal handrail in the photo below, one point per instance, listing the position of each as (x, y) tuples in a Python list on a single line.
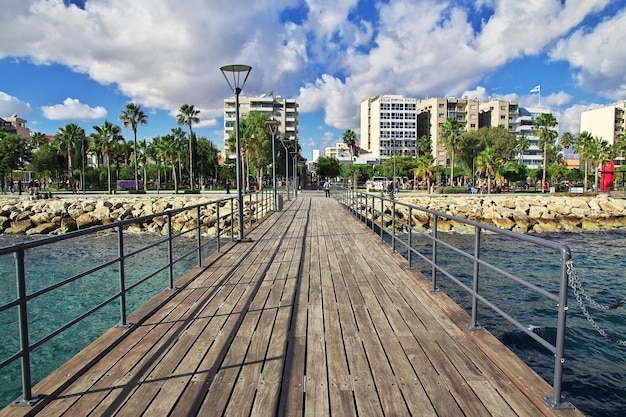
[(259, 204), (377, 210)]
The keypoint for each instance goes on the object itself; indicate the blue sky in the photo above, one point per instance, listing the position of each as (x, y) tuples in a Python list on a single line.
[(81, 61)]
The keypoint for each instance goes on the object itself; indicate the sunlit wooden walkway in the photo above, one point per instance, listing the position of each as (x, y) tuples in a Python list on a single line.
[(312, 317)]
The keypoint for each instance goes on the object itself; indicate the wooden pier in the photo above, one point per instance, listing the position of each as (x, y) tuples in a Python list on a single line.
[(313, 316)]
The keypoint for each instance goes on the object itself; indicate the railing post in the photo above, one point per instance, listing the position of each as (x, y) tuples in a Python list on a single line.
[(232, 219), (27, 395), (434, 255), (170, 251), (122, 275), (559, 359), (410, 225), (198, 225), (473, 325), (217, 226), (393, 226), (382, 217)]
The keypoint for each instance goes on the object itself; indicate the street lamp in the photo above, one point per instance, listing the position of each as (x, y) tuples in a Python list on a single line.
[(282, 142), (273, 126), (237, 71)]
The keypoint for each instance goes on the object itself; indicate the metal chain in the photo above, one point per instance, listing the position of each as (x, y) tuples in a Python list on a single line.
[(579, 292)]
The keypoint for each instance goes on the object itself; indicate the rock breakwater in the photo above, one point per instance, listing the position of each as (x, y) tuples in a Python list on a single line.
[(66, 214), (526, 213)]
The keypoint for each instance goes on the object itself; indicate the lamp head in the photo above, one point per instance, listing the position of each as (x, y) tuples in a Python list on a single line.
[(237, 72)]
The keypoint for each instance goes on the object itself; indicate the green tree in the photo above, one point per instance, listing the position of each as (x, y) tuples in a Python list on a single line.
[(169, 148), (487, 164), (133, 116), (188, 115), (105, 138), (583, 145), (327, 167), (603, 153), (38, 139), (349, 139), (522, 144), (208, 156), (66, 140), (450, 133), (424, 169), (545, 124), (14, 152)]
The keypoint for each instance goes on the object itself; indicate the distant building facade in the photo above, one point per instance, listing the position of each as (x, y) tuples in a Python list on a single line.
[(15, 125), (281, 109), (606, 123)]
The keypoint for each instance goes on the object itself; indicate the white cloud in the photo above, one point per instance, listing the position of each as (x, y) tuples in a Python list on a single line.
[(569, 119), (599, 56), (162, 55), (10, 105), (73, 109)]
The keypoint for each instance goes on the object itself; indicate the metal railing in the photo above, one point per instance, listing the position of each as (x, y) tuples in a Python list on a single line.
[(197, 220), (397, 222)]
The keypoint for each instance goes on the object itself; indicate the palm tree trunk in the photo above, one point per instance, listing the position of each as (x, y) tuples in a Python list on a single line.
[(108, 175)]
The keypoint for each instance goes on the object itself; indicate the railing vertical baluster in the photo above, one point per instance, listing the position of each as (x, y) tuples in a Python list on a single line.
[(27, 394), (473, 324), (170, 251), (434, 255), (198, 225), (217, 226), (122, 274)]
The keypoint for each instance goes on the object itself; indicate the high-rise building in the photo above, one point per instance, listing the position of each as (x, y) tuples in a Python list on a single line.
[(606, 123), (281, 109), (437, 110), (388, 126)]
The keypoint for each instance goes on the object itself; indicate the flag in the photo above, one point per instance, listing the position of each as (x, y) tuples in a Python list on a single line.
[(536, 89)]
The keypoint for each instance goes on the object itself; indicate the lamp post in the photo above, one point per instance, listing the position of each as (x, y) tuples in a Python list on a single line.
[(237, 71), (295, 178), (273, 126), (282, 142)]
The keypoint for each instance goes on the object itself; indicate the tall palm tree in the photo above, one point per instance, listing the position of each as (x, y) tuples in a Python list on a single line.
[(38, 139), (105, 138), (424, 169), (522, 144), (603, 153), (349, 139), (567, 140), (545, 124), (133, 116), (487, 164), (583, 145), (450, 134), (188, 115), (66, 139), (142, 156), (169, 148)]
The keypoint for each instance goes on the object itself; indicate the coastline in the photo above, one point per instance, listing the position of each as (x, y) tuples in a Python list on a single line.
[(525, 213)]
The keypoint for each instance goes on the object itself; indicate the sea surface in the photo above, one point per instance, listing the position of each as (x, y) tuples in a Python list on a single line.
[(595, 368)]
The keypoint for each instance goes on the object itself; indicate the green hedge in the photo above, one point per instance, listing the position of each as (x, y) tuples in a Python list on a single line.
[(451, 190)]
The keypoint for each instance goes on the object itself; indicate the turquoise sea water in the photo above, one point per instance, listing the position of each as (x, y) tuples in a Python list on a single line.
[(53, 263), (595, 369)]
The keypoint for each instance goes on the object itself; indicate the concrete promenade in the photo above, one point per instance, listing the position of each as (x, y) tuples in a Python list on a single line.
[(313, 316)]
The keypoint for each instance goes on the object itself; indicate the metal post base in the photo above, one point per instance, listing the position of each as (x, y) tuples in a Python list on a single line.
[(563, 405), (20, 402)]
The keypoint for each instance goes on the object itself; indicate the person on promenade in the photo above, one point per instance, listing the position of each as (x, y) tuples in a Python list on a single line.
[(327, 188)]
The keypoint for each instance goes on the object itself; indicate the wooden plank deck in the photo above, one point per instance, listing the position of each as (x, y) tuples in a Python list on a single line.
[(313, 317)]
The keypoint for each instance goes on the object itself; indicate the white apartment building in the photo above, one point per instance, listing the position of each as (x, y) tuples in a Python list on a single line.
[(606, 123), (282, 109), (533, 156), (388, 126)]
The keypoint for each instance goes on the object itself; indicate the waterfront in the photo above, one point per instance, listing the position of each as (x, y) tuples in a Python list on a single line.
[(586, 349)]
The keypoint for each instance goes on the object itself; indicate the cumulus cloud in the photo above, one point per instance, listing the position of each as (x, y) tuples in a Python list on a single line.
[(73, 109), (10, 105), (599, 56), (329, 56)]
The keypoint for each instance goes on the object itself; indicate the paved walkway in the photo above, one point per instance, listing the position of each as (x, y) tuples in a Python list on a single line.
[(312, 317)]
